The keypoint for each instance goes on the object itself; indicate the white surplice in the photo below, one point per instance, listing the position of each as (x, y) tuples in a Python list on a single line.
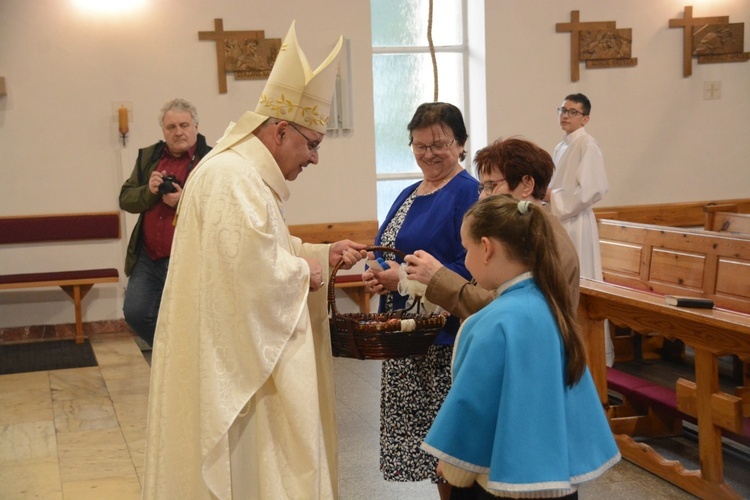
[(242, 398), (580, 181)]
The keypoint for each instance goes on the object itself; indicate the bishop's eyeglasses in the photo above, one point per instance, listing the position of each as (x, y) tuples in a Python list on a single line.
[(311, 145)]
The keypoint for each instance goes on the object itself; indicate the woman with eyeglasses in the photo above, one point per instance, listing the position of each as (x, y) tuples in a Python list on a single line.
[(523, 170), (426, 215)]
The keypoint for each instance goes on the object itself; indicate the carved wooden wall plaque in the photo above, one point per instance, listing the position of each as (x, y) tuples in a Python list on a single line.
[(248, 54), (600, 44), (710, 39)]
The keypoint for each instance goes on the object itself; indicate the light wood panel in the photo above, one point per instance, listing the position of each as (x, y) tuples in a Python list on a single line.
[(678, 261), (683, 214), (359, 231)]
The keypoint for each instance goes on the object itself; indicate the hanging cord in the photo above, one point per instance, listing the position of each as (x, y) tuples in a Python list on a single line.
[(432, 52)]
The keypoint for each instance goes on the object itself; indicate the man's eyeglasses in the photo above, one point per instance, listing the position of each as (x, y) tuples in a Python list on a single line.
[(437, 148), (570, 112), (311, 145), (488, 186)]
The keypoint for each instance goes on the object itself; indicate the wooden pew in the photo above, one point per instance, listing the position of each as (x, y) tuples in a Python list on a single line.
[(682, 214), (711, 333), (675, 261), (678, 261), (61, 228), (359, 231)]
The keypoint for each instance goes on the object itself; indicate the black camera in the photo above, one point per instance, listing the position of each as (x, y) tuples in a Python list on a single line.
[(167, 185)]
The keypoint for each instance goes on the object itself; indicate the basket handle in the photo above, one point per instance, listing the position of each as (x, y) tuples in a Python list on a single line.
[(332, 278)]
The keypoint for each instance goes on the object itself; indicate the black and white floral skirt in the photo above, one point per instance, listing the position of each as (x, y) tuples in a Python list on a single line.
[(412, 391)]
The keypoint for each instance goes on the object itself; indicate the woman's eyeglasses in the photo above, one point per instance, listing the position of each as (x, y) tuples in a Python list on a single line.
[(488, 186), (436, 148)]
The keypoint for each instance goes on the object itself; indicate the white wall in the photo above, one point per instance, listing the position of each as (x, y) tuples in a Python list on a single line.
[(662, 142), (58, 132), (64, 69)]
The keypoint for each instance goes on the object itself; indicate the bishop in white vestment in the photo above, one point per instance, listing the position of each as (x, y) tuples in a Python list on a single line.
[(242, 397)]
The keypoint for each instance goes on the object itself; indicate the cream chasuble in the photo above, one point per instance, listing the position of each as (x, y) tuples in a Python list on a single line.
[(242, 398)]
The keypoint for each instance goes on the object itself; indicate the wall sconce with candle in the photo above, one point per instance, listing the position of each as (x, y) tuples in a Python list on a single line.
[(122, 115)]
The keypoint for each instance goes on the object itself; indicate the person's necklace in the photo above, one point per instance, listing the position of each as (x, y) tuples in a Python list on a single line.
[(425, 190)]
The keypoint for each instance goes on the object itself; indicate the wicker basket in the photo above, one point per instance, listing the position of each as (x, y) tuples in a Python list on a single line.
[(380, 335)]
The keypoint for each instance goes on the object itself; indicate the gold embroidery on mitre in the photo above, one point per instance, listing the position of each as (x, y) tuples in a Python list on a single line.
[(296, 93), (283, 107)]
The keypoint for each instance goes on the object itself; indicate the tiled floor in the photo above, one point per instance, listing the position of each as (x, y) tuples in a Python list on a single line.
[(79, 434)]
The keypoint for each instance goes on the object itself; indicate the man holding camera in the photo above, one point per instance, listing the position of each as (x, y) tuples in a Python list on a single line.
[(153, 190)]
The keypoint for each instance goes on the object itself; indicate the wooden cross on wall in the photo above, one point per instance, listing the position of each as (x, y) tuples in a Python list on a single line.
[(686, 23), (575, 27), (222, 38)]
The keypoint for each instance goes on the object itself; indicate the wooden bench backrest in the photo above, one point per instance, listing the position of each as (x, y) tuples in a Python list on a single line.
[(678, 262), (683, 214), (728, 222), (359, 231), (64, 227)]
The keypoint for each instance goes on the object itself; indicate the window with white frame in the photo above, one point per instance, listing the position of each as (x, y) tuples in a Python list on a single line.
[(404, 77)]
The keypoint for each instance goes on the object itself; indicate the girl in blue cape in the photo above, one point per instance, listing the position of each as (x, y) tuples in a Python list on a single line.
[(522, 418)]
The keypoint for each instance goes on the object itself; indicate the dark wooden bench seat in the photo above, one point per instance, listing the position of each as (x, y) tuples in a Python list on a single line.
[(634, 389), (27, 230), (63, 278), (624, 383), (639, 392)]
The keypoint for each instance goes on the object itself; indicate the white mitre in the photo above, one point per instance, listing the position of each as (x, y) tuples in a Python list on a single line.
[(293, 93), (296, 93)]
